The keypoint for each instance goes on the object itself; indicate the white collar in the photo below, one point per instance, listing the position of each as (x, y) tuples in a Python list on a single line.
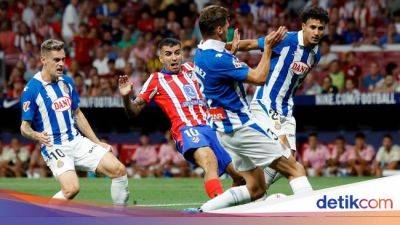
[(212, 44), (38, 76), (300, 39)]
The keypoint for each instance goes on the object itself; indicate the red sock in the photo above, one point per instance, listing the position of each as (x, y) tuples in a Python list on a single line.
[(213, 187)]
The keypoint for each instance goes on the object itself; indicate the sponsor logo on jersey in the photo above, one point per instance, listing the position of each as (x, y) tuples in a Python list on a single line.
[(25, 106), (195, 139), (194, 102), (299, 67), (236, 62), (61, 104), (217, 114)]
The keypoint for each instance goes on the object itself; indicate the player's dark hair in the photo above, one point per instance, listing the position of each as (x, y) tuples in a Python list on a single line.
[(360, 135), (212, 17), (388, 136), (313, 134), (168, 42), (316, 13), (51, 45), (340, 137)]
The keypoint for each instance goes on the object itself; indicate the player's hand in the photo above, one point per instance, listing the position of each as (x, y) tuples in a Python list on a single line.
[(43, 138), (235, 41), (105, 145), (275, 37), (125, 86)]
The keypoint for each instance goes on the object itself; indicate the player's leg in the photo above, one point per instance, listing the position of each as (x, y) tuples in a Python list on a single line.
[(247, 147), (254, 189), (60, 161), (93, 157), (294, 171), (237, 178), (268, 119), (69, 185), (224, 160), (114, 169), (195, 148), (205, 158), (287, 136)]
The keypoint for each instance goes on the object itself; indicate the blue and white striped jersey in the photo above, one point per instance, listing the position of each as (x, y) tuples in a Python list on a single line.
[(221, 77), (290, 63), (49, 107)]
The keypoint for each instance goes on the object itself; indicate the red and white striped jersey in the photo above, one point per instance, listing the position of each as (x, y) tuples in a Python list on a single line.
[(179, 96)]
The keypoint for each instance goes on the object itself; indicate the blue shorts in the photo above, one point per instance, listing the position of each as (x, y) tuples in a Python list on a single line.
[(202, 136)]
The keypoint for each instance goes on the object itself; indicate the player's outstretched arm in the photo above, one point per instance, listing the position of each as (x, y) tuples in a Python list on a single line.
[(241, 45), (28, 132), (125, 89), (259, 75)]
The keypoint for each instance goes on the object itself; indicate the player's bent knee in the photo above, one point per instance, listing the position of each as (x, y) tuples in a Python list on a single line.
[(257, 192), (300, 170), (256, 189), (70, 191), (120, 171)]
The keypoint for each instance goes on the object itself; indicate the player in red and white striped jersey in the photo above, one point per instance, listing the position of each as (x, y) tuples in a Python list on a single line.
[(176, 91)]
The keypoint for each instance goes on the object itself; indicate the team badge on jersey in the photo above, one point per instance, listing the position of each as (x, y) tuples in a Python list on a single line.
[(62, 104), (189, 91), (60, 163), (25, 106), (277, 125), (65, 87)]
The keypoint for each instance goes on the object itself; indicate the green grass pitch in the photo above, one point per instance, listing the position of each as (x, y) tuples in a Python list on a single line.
[(170, 193)]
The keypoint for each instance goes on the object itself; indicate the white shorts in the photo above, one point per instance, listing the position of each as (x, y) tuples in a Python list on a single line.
[(251, 146), (80, 153), (281, 125)]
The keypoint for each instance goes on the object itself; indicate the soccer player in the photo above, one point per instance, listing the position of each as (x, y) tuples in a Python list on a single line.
[(251, 147), (175, 90), (291, 61), (50, 104)]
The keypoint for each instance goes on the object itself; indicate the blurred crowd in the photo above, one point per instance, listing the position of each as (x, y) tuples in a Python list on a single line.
[(339, 157), (342, 159), (106, 38)]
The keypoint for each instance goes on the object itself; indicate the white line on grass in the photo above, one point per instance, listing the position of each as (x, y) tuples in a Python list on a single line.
[(172, 204)]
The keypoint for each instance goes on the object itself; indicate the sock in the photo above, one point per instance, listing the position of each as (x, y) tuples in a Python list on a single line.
[(213, 187), (271, 175), (231, 197), (300, 185), (59, 195), (120, 190)]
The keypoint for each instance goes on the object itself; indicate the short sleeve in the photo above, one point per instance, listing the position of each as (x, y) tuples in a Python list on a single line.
[(396, 154), (228, 66), (28, 104), (378, 156), (276, 50), (261, 42), (149, 88)]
